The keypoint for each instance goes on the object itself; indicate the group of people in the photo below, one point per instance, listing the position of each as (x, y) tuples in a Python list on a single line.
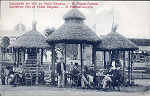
[(9, 74), (113, 77), (78, 78), (15, 75), (61, 72), (84, 79), (6, 72)]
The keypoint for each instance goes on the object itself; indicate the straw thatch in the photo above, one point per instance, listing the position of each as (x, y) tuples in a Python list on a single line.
[(31, 39), (73, 30), (115, 41), (74, 13)]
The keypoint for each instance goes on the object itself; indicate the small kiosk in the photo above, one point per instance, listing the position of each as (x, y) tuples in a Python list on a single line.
[(116, 46), (28, 54), (75, 32)]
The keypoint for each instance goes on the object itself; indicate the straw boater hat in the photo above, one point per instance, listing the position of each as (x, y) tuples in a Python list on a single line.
[(31, 39), (74, 30), (115, 41)]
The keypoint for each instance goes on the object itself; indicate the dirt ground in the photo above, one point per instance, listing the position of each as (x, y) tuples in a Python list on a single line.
[(142, 90)]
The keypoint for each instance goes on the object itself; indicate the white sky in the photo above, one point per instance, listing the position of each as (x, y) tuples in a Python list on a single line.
[(133, 18)]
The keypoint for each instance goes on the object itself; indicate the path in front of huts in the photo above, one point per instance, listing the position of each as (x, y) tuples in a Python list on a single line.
[(142, 90)]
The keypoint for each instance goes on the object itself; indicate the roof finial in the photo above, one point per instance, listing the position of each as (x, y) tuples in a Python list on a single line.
[(74, 14), (34, 25), (114, 26)]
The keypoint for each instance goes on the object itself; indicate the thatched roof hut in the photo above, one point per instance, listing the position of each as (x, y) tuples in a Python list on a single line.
[(74, 30), (31, 39), (115, 41)]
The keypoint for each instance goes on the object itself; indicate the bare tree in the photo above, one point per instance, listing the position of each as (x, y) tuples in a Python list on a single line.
[(5, 43)]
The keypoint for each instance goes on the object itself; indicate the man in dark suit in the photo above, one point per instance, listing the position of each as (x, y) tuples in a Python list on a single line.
[(61, 68)]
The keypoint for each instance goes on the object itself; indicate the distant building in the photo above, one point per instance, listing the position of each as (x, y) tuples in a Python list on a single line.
[(12, 35), (18, 30), (142, 56), (143, 44)]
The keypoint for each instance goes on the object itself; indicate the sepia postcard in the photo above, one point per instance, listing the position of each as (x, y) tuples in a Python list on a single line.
[(74, 48)]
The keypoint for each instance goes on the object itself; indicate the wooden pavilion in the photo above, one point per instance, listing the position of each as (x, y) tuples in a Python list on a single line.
[(74, 31), (116, 46), (28, 51)]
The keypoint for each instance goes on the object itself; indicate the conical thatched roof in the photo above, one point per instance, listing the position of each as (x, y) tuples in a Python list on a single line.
[(115, 41), (31, 39), (74, 30)]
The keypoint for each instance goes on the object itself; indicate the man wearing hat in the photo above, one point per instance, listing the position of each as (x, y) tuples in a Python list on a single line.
[(61, 68)]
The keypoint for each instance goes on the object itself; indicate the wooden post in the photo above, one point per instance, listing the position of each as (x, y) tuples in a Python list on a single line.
[(24, 57), (24, 51), (18, 61), (104, 59), (65, 54), (94, 61), (53, 58), (37, 71), (110, 59), (42, 56), (15, 56), (124, 63), (53, 63), (94, 57), (129, 66), (65, 45), (81, 49)]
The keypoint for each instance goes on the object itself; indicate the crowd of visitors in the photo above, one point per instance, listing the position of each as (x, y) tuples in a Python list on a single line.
[(109, 78), (15, 75), (112, 78)]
